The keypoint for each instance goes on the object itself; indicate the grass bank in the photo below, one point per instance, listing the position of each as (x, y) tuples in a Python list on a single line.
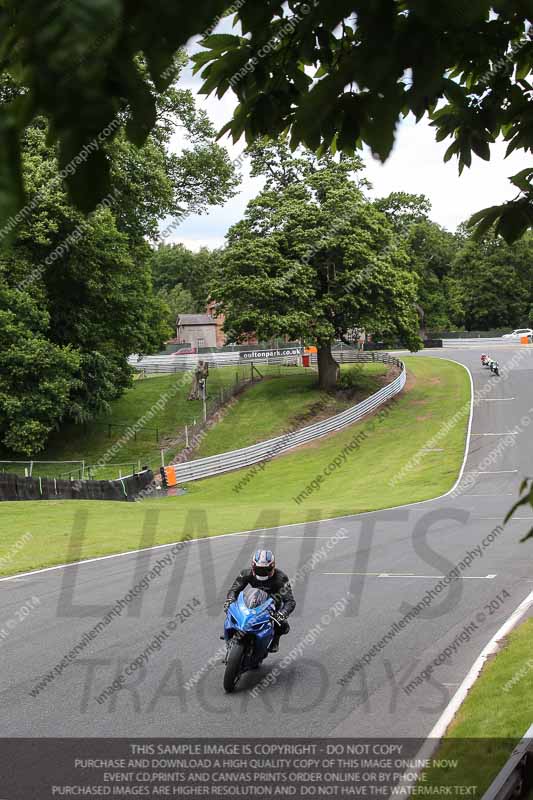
[(387, 443), (494, 717), (284, 403), (264, 409), (165, 399)]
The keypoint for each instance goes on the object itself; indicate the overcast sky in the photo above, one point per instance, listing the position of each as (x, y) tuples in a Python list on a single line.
[(416, 165)]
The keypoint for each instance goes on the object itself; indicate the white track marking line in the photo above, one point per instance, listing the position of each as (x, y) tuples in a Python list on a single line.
[(491, 648), (336, 520), (411, 575), (505, 494), (278, 537), (507, 433), (496, 399), (489, 472)]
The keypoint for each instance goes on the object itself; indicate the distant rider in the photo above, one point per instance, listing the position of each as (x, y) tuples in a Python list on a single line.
[(264, 575)]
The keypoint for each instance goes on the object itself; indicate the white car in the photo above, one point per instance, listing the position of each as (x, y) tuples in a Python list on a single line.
[(518, 334)]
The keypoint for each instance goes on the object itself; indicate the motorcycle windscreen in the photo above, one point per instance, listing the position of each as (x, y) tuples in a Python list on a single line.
[(253, 598)]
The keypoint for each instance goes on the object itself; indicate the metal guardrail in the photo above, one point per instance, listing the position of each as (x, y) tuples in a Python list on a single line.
[(161, 365), (354, 356), (516, 778), (265, 451), (154, 365), (484, 342)]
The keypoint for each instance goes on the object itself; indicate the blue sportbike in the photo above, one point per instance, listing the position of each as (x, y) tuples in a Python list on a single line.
[(248, 631)]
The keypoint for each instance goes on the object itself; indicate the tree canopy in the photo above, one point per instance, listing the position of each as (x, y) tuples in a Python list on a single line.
[(313, 259), (76, 293), (174, 265), (342, 74), (319, 70), (494, 283)]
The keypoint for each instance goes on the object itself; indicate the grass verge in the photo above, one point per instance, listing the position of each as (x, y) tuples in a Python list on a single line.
[(167, 396), (494, 717), (285, 403), (436, 391)]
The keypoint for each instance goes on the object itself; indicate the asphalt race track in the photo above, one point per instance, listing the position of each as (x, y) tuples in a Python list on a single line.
[(388, 561)]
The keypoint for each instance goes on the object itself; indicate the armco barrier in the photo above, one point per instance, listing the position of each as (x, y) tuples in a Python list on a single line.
[(480, 342), (265, 451), (14, 487), (162, 365), (516, 778)]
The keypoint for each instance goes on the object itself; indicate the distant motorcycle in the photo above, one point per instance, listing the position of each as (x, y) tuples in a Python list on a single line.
[(248, 632), (487, 361)]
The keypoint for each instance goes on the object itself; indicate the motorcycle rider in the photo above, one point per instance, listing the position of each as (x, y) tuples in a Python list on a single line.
[(264, 575)]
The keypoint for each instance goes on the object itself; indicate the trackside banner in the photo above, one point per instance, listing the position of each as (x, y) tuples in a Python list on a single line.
[(262, 355), (210, 768)]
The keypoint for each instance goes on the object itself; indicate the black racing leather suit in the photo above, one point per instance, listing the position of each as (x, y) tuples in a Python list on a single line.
[(278, 587)]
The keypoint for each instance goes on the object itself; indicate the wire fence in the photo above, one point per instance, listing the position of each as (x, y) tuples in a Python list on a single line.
[(192, 432), (265, 451), (54, 469)]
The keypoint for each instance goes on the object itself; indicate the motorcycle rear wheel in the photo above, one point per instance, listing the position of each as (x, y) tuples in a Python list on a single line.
[(233, 670)]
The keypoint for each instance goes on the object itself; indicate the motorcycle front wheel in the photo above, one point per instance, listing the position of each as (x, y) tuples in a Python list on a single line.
[(232, 673)]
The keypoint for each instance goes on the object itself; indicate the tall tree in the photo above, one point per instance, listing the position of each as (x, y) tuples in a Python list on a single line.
[(314, 260), (321, 71), (176, 300), (431, 250), (493, 281), (92, 275), (403, 210), (317, 68), (37, 377), (176, 265)]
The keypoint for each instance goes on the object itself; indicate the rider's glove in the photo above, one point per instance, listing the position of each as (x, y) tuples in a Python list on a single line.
[(227, 604), (279, 616)]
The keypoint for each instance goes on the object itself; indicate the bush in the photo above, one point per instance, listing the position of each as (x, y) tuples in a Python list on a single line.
[(351, 379)]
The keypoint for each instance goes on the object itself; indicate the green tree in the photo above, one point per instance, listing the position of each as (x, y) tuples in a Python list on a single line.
[(403, 210), (92, 275), (314, 260), (37, 377), (432, 250), (321, 71), (177, 301), (176, 265), (493, 280)]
